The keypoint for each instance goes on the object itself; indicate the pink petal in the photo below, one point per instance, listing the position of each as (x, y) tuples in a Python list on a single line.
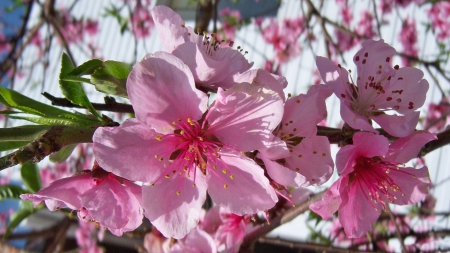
[(263, 77), (151, 85), (170, 27), (281, 174), (67, 190), (364, 144), (334, 76), (396, 125), (312, 159), (172, 214), (201, 241), (355, 120), (125, 142), (274, 149), (331, 200), (245, 116), (113, 205), (413, 184), (404, 149), (247, 190), (358, 214)]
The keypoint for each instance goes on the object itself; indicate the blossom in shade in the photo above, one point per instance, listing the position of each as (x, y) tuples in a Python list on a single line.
[(141, 20), (97, 196), (373, 176), (408, 38), (438, 116), (180, 149), (212, 65), (300, 158), (439, 15), (196, 241), (379, 88)]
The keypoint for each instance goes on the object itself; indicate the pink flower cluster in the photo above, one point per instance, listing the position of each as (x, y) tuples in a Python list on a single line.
[(141, 20), (231, 21), (440, 19), (284, 37), (408, 38), (247, 145)]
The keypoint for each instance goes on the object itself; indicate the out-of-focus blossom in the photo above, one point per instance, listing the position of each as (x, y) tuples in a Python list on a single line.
[(155, 242), (141, 20), (86, 236), (379, 88), (97, 196), (440, 19), (438, 116), (4, 43), (231, 21), (365, 26), (408, 38), (372, 176)]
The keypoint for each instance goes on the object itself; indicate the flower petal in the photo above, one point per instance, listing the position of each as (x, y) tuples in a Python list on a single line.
[(404, 149), (247, 190), (151, 87), (172, 214), (263, 77), (396, 125), (170, 27), (281, 174), (355, 120), (413, 184), (128, 142), (331, 200), (245, 116)]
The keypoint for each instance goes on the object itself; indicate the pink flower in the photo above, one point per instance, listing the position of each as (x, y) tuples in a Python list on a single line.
[(180, 149), (86, 235), (97, 196), (141, 20), (379, 88), (4, 43), (306, 158), (372, 176), (211, 64), (365, 25), (196, 241), (437, 116), (231, 21), (408, 38), (155, 242), (440, 19)]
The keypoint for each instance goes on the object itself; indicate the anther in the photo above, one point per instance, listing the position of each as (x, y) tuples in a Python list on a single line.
[(158, 137)]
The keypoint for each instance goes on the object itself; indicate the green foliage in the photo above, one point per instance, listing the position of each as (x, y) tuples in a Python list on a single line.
[(74, 91), (10, 191), (48, 115), (26, 209), (312, 216), (63, 154), (30, 176), (111, 78)]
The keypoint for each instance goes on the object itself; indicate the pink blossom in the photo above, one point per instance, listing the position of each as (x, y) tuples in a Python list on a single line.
[(141, 20), (211, 64), (4, 43), (438, 116), (379, 88), (365, 26), (306, 157), (408, 38), (90, 27), (97, 196), (86, 235), (440, 19), (180, 149), (231, 21), (155, 242), (196, 241), (372, 176)]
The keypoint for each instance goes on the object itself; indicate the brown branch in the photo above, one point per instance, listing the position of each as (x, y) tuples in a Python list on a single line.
[(286, 216), (110, 104)]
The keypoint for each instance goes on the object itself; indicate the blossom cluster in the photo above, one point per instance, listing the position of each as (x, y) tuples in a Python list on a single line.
[(246, 146)]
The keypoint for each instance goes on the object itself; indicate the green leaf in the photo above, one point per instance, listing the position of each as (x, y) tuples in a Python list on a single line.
[(86, 68), (4, 146), (10, 191), (111, 78), (59, 121), (22, 133), (16, 100), (30, 176), (26, 209), (74, 91), (62, 154)]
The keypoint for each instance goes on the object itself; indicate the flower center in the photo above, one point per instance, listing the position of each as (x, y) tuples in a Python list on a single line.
[(373, 174)]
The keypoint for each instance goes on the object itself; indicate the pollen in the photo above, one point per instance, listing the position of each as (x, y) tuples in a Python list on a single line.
[(225, 186), (158, 137), (194, 185), (167, 176), (232, 176), (178, 193), (224, 171)]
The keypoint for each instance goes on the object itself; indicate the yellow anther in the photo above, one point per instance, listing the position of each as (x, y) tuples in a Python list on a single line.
[(243, 153), (200, 138), (189, 120), (158, 137), (224, 171), (161, 159), (181, 132), (174, 123), (232, 176), (204, 166), (194, 185), (152, 184), (178, 193), (156, 156), (214, 167), (185, 168), (225, 186), (167, 176)]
